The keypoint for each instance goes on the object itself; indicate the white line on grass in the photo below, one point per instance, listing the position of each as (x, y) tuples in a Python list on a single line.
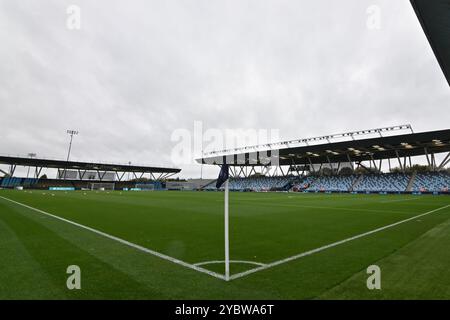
[(231, 261), (217, 275), (399, 200), (130, 244), (330, 208), (334, 244)]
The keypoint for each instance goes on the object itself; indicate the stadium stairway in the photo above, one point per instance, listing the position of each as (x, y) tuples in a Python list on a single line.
[(356, 182), (411, 181)]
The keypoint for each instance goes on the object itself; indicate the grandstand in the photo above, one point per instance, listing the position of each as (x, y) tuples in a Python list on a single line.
[(431, 182), (321, 164), (347, 162), (9, 182), (358, 183), (337, 183), (258, 183), (76, 175), (390, 182)]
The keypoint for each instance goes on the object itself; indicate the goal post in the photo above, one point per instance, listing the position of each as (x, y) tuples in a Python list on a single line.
[(145, 186), (102, 186)]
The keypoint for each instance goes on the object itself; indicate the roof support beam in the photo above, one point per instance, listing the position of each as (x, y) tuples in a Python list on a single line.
[(120, 177), (444, 162), (241, 170), (433, 162), (426, 155), (37, 172), (374, 163), (363, 166), (282, 172), (101, 175), (161, 176), (331, 165), (399, 161), (350, 161), (12, 169), (169, 174), (311, 165), (81, 174), (4, 172), (338, 167)]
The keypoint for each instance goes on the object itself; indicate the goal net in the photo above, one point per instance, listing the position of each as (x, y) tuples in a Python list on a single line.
[(145, 186), (102, 186)]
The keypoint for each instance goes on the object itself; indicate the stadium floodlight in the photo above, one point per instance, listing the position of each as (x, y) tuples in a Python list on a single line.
[(31, 155), (71, 133)]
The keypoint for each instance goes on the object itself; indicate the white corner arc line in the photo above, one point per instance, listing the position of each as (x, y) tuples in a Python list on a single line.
[(231, 261), (334, 244), (125, 242)]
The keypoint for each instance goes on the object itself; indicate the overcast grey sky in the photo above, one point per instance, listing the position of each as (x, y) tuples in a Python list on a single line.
[(137, 70)]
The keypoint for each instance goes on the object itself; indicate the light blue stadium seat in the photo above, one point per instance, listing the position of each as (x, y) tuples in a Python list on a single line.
[(431, 182), (332, 183), (255, 183), (388, 182)]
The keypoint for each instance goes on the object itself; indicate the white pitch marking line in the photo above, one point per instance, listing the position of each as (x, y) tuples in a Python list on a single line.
[(398, 200), (333, 208), (334, 244), (231, 261), (130, 244)]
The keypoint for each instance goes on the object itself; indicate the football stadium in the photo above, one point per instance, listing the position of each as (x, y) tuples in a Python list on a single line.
[(357, 214), (306, 228)]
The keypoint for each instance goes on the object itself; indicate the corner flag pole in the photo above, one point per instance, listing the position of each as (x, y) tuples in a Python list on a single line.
[(227, 245), (223, 178)]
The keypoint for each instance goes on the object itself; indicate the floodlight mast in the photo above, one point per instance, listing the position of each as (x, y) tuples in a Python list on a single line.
[(71, 133)]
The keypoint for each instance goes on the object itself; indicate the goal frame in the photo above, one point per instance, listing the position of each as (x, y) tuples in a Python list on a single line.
[(102, 186)]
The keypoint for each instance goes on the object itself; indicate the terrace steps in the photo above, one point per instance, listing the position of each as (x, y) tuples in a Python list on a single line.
[(411, 181), (356, 182)]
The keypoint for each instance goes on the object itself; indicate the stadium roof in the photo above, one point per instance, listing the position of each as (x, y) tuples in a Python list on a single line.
[(77, 165), (395, 146), (434, 16)]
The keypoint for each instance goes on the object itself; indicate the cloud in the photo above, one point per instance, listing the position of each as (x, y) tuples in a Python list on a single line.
[(135, 72)]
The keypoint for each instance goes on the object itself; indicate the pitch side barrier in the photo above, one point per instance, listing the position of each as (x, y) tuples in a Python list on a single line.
[(338, 192), (380, 192)]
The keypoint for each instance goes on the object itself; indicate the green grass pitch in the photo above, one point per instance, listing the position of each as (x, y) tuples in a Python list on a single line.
[(188, 226)]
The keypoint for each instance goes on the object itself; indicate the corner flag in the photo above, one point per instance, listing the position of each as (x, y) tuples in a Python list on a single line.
[(223, 175)]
